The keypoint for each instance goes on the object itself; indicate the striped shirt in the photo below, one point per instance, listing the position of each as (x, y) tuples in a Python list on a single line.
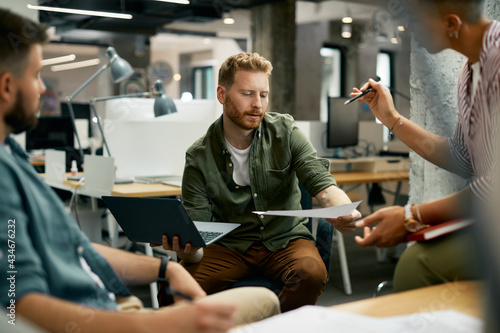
[(473, 143)]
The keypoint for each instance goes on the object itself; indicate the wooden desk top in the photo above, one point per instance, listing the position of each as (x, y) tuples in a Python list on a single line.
[(464, 296), (362, 177), (137, 189), (160, 190), (145, 190)]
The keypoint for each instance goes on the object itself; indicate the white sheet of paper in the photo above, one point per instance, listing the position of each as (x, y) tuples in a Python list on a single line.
[(321, 319), (329, 212)]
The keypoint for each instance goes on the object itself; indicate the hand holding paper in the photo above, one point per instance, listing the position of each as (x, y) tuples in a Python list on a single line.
[(327, 213)]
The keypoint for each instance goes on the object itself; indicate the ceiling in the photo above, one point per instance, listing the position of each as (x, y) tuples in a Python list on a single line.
[(149, 16), (200, 16)]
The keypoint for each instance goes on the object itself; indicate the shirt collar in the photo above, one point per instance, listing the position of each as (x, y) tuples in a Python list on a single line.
[(220, 134), (490, 39)]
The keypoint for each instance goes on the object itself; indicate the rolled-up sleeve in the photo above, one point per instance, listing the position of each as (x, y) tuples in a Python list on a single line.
[(313, 172)]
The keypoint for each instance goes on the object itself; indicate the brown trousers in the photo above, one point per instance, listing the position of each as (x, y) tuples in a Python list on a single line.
[(298, 266)]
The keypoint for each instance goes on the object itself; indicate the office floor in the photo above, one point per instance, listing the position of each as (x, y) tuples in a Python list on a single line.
[(365, 273)]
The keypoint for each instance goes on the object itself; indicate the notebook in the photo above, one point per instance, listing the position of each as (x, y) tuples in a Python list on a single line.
[(148, 219), (438, 230)]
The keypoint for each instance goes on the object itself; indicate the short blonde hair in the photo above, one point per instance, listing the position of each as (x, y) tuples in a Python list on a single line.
[(252, 62)]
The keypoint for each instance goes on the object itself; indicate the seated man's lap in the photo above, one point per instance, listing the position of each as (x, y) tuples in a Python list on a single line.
[(300, 260), (219, 268)]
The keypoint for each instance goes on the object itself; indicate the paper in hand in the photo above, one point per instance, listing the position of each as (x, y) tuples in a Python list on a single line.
[(328, 213)]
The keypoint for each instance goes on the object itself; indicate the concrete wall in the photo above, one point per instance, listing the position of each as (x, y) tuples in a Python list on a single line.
[(433, 84)]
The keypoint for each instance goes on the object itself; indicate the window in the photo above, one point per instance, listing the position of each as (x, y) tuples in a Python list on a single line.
[(203, 82), (332, 77), (384, 72)]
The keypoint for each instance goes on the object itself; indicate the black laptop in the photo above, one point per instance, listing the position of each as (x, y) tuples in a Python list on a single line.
[(148, 219)]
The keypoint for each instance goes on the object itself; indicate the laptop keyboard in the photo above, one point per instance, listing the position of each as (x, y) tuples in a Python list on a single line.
[(209, 235)]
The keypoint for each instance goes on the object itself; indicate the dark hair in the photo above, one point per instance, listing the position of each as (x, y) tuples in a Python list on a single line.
[(17, 35), (469, 10), (252, 62)]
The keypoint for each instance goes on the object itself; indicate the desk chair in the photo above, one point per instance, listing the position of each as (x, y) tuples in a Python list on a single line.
[(324, 240)]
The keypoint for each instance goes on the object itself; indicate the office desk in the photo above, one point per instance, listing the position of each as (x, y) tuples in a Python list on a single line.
[(464, 296), (417, 305), (136, 189), (364, 177), (154, 190)]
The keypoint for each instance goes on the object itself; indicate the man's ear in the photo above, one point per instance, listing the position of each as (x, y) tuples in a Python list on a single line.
[(221, 94), (6, 86)]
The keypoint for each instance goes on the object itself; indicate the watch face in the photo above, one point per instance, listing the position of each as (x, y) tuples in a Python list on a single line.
[(412, 225)]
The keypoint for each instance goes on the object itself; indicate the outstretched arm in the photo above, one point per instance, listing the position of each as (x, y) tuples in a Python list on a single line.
[(141, 269), (334, 196), (390, 228), (56, 315), (432, 147)]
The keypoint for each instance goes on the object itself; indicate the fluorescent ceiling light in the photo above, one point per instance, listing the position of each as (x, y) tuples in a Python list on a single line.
[(75, 65), (81, 12), (181, 2), (394, 40), (346, 31), (58, 60), (347, 19)]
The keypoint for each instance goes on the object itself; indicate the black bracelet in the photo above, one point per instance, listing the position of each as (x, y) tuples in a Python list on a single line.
[(163, 268)]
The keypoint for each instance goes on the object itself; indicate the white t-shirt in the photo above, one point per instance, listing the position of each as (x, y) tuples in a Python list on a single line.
[(241, 170)]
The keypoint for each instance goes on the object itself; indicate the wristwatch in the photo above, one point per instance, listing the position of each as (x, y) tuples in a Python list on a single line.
[(163, 268), (411, 223)]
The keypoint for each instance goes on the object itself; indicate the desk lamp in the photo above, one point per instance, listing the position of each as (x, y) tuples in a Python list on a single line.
[(163, 105), (120, 70)]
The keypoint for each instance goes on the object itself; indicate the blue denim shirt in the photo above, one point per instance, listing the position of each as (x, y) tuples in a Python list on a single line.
[(280, 156), (47, 241)]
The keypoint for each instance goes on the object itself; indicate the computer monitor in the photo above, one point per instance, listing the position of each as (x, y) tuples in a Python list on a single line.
[(342, 123), (51, 132), (82, 115)]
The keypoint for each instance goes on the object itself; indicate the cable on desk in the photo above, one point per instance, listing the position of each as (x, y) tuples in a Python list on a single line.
[(72, 202)]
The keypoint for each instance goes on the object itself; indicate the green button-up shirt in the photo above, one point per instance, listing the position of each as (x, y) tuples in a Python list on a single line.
[(280, 156)]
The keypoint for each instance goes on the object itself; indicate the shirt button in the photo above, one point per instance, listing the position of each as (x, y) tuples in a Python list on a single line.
[(79, 249), (255, 195), (262, 216), (261, 228), (230, 165)]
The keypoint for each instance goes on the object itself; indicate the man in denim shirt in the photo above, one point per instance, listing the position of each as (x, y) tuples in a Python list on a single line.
[(252, 160)]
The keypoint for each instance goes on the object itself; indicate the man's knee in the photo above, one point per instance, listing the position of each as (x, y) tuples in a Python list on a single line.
[(309, 272)]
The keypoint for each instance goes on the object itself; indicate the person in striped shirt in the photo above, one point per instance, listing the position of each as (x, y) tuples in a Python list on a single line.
[(438, 25)]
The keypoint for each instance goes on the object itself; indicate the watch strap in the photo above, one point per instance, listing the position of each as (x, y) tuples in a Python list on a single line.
[(163, 268)]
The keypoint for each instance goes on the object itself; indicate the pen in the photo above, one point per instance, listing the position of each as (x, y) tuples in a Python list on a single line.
[(358, 96), (171, 291)]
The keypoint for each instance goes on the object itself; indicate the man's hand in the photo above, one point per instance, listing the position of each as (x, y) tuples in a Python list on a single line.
[(380, 102), (180, 279), (201, 316), (184, 252), (389, 231), (344, 224)]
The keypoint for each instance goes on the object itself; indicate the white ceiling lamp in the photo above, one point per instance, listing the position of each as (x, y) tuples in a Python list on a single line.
[(227, 19), (75, 65), (346, 30), (180, 2), (347, 18), (401, 28), (81, 12), (58, 60), (394, 40)]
